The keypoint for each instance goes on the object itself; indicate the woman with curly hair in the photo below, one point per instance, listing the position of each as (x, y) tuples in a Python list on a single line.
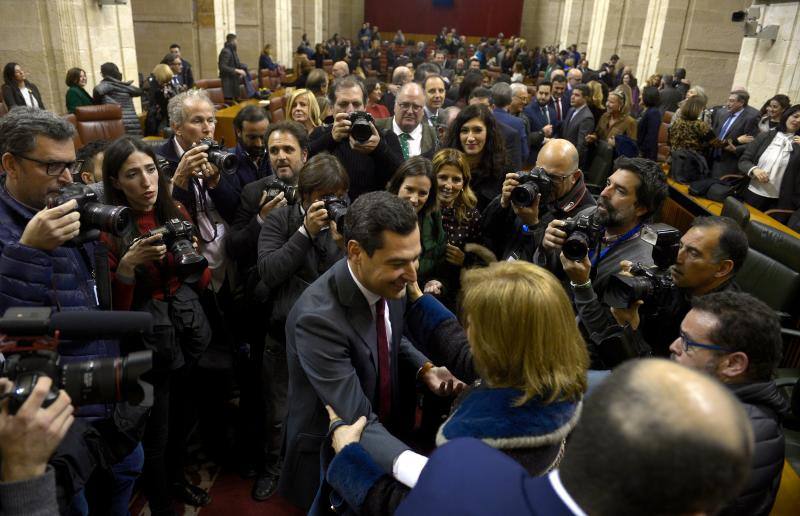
[(475, 133)]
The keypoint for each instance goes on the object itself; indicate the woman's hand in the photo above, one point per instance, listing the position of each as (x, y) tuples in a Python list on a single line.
[(142, 251), (454, 255), (344, 434), (433, 287), (761, 175), (591, 138)]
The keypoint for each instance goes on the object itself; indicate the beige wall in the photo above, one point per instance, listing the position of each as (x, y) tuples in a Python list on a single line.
[(541, 22), (765, 67), (261, 22), (576, 23), (52, 36), (344, 17), (616, 27)]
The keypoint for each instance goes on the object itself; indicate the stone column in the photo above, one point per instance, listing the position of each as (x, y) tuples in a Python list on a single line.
[(576, 23), (541, 22), (616, 28), (261, 22), (52, 36), (215, 19)]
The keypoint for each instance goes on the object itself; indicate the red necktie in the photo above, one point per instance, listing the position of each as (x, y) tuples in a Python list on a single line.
[(384, 373), (558, 109)]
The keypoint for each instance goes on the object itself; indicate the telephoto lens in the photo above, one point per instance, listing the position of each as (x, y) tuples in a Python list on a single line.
[(220, 157), (360, 128)]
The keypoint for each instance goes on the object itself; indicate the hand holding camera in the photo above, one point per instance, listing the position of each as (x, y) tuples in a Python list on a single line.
[(268, 206), (141, 251), (194, 163), (341, 127), (52, 227), (364, 137), (316, 218), (554, 236)]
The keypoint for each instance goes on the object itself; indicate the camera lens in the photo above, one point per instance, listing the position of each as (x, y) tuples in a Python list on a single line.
[(111, 219), (227, 162), (576, 246), (188, 262), (108, 380), (524, 194), (622, 291)]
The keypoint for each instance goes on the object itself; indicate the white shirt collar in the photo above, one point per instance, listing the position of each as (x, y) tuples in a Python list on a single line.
[(416, 134), (370, 296), (178, 149), (558, 487)]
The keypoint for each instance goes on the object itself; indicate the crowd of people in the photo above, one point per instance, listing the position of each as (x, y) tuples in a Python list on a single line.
[(317, 280)]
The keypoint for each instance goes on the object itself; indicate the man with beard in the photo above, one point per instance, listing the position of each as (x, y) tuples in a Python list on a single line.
[(287, 148), (542, 115), (516, 231), (250, 125), (633, 193)]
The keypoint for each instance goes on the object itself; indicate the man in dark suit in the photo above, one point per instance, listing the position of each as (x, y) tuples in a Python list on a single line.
[(501, 100), (732, 125), (560, 100), (616, 462), (345, 347), (670, 97), (232, 72), (542, 116), (414, 136), (579, 122), (435, 100), (510, 135), (185, 77)]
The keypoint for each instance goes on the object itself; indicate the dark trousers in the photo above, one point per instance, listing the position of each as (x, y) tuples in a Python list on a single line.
[(759, 202), (156, 478)]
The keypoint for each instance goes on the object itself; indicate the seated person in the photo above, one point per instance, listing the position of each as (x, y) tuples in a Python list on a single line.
[(736, 338), (530, 392), (615, 461)]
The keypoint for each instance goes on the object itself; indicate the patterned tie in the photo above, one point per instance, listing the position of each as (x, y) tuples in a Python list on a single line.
[(384, 372), (558, 109), (434, 120), (404, 137)]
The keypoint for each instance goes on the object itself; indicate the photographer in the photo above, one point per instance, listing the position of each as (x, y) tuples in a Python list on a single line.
[(710, 254), (27, 441), (151, 273), (298, 243), (250, 125), (37, 269), (369, 164), (515, 231)]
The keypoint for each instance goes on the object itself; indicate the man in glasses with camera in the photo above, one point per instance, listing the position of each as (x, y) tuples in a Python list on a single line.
[(736, 338), (517, 230)]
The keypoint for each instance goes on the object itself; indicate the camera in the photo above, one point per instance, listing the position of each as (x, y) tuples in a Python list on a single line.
[(583, 233), (337, 209), (360, 128), (165, 167), (32, 356), (276, 186), (530, 185), (219, 156), (95, 216), (177, 236), (653, 285)]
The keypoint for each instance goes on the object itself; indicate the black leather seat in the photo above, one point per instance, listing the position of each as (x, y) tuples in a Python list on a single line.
[(737, 210)]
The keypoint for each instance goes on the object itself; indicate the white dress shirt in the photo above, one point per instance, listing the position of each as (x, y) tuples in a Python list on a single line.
[(415, 142)]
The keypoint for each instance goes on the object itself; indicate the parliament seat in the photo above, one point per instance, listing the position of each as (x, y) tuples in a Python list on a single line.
[(76, 138), (101, 122)]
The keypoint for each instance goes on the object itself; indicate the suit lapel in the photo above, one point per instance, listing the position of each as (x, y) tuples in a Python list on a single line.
[(359, 314)]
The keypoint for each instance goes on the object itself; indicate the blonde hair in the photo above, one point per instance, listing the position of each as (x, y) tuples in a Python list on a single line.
[(313, 107), (627, 95), (162, 73), (467, 200), (596, 98), (522, 331)]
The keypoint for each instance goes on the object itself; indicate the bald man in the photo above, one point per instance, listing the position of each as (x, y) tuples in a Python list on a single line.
[(653, 438), (515, 231), (339, 70), (415, 137), (400, 76)]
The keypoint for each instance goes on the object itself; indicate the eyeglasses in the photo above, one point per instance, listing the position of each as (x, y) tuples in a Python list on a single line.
[(55, 168), (406, 106), (687, 343), (557, 179)]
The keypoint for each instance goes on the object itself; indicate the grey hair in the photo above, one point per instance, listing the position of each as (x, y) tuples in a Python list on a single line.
[(501, 94), (700, 92), (20, 127), (517, 87), (176, 107)]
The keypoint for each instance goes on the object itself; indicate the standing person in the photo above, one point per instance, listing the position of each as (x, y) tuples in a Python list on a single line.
[(415, 137), (772, 111), (615, 121), (649, 124), (688, 131), (76, 93), (232, 71), (176, 65), (630, 81), (147, 278), (303, 109), (113, 90), (186, 77), (17, 90), (579, 123), (374, 95), (161, 89), (734, 127)]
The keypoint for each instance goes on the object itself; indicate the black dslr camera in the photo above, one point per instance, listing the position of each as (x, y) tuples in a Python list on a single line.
[(165, 167), (653, 285), (177, 236), (360, 128), (219, 156), (583, 233), (530, 185), (31, 354), (95, 216), (276, 186), (337, 209)]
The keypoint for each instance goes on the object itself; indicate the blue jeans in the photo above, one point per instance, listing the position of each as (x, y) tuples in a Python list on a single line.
[(125, 474)]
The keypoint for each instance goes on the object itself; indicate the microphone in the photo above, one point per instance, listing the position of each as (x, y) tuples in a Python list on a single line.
[(81, 324)]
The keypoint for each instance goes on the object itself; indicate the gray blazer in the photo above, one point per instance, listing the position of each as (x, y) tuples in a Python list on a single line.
[(575, 130), (429, 140), (331, 351)]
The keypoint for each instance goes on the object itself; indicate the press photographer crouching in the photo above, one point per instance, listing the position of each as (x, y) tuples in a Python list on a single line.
[(648, 308), (156, 269), (515, 221), (40, 266), (298, 243)]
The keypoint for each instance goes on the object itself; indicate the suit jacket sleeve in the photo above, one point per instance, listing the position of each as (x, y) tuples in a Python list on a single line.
[(226, 62), (323, 352), (321, 140), (8, 97), (386, 160), (281, 249), (225, 197), (585, 126), (753, 151), (245, 229), (189, 76)]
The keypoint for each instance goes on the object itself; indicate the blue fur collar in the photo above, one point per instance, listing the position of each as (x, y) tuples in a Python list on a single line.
[(490, 415)]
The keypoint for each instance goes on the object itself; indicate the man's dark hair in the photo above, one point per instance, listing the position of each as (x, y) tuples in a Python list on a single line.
[(742, 95), (558, 78), (174, 45), (323, 172), (230, 37), (544, 82), (20, 127), (501, 94), (651, 96), (652, 189), (350, 81), (110, 70), (746, 324), (623, 460), (169, 59), (421, 71), (785, 116), (316, 80), (472, 79), (291, 127), (481, 93), (88, 152), (732, 244), (667, 79), (250, 114), (433, 76), (372, 214), (584, 89), (614, 57)]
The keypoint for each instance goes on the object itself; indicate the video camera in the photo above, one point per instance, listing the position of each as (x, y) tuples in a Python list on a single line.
[(219, 156), (360, 128), (530, 185), (653, 285), (29, 337), (95, 216), (276, 186), (177, 236), (583, 233)]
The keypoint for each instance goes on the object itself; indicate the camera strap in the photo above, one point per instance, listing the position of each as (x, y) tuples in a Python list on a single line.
[(627, 236), (102, 276)]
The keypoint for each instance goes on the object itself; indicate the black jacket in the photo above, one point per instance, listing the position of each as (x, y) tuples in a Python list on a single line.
[(766, 408), (113, 91), (789, 192), (12, 97)]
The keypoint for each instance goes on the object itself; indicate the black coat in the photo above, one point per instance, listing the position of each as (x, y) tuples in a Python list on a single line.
[(766, 407), (12, 97), (228, 63), (789, 192), (114, 91)]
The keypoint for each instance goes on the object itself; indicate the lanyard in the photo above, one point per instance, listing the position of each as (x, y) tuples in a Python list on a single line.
[(604, 252)]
